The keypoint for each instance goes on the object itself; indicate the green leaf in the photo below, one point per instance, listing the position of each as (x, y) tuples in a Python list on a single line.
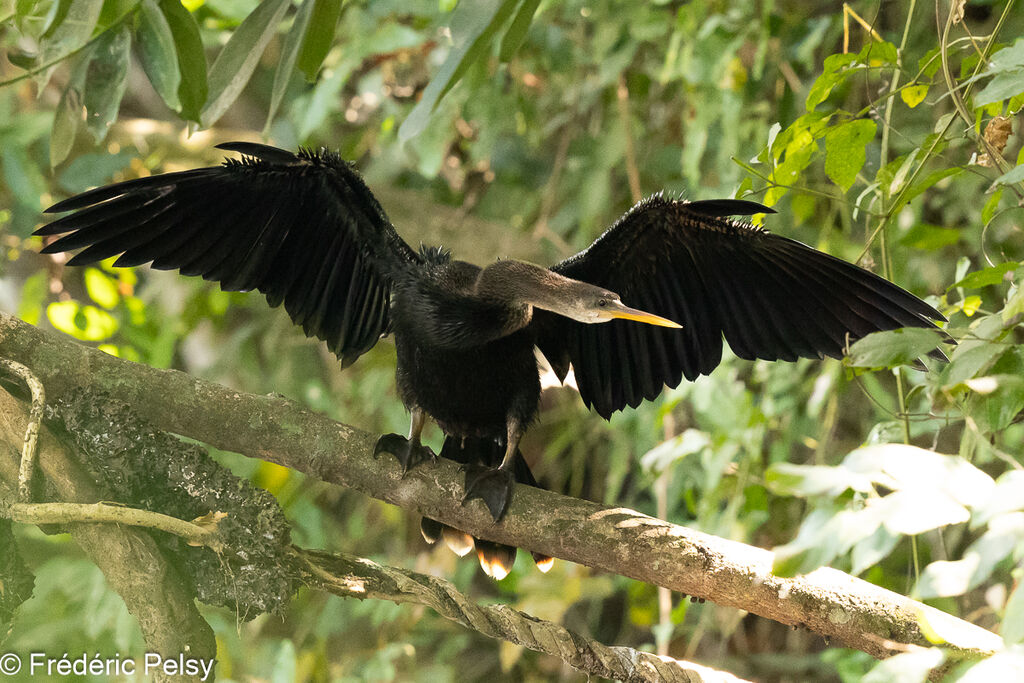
[(913, 95), (787, 479), (985, 277), (92, 169), (106, 80), (667, 453), (892, 348), (473, 25), (829, 79), (516, 33), (286, 63), (188, 45), (67, 118), (74, 24), (85, 323), (846, 150), (101, 288), (1004, 86), (33, 295), (238, 59), (1014, 175), (158, 54), (319, 36), (930, 237)]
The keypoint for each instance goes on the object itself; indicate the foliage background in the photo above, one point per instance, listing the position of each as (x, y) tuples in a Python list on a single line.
[(523, 128)]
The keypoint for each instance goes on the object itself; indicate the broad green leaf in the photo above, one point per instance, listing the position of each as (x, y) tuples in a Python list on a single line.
[(846, 150), (67, 118), (913, 511), (158, 54), (71, 30), (913, 95), (787, 479), (993, 203), (473, 25), (903, 467), (319, 36), (93, 168), (871, 550), (238, 59), (930, 237), (106, 80), (829, 79), (986, 277), (1004, 86), (191, 58), (1014, 175), (893, 348), (1007, 496), (906, 667), (516, 32), (286, 64)]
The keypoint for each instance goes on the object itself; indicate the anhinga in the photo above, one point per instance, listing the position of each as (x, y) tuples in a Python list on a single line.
[(306, 231)]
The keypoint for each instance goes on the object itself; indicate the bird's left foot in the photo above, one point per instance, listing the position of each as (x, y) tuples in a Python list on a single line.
[(492, 485), (407, 453)]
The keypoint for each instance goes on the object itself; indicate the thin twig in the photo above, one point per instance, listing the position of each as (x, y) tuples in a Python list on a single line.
[(31, 443), (106, 513), (632, 170)]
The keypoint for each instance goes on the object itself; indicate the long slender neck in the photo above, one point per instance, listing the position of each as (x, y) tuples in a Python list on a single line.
[(524, 284)]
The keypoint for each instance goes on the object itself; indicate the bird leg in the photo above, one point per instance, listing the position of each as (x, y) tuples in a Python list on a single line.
[(409, 452), (493, 485)]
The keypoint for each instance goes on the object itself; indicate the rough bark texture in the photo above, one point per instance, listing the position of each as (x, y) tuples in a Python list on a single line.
[(151, 587), (619, 540)]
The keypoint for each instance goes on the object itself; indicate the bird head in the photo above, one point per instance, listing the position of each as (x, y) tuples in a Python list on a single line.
[(596, 305)]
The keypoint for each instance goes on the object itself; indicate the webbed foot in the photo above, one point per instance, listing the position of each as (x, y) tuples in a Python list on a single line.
[(407, 453), (492, 485)]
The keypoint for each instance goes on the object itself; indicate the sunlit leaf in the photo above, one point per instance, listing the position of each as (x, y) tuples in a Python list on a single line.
[(906, 667), (913, 95), (101, 288), (948, 578), (1013, 616), (238, 58), (85, 323), (67, 119), (845, 150)]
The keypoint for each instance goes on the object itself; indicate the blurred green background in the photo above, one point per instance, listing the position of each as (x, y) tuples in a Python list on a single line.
[(524, 128)]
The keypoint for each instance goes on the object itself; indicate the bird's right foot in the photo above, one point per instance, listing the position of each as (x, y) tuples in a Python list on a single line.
[(407, 453)]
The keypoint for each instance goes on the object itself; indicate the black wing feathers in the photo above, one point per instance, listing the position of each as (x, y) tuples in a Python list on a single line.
[(303, 229), (771, 297)]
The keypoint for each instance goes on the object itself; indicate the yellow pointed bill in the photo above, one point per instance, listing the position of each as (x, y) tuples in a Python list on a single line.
[(619, 310)]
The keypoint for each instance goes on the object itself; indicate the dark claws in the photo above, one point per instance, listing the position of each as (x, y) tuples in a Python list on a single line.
[(492, 485), (406, 452)]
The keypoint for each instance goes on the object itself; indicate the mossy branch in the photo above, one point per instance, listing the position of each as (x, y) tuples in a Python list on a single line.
[(619, 540)]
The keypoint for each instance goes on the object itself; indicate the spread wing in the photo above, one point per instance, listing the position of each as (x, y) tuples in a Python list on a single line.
[(303, 229), (771, 297)]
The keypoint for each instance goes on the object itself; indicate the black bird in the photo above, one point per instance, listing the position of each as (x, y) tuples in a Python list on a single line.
[(306, 231)]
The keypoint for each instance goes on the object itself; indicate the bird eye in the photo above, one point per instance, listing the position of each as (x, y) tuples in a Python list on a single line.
[(602, 302)]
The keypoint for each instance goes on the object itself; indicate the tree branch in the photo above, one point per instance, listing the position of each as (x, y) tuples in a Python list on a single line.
[(152, 589), (355, 577), (618, 540)]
